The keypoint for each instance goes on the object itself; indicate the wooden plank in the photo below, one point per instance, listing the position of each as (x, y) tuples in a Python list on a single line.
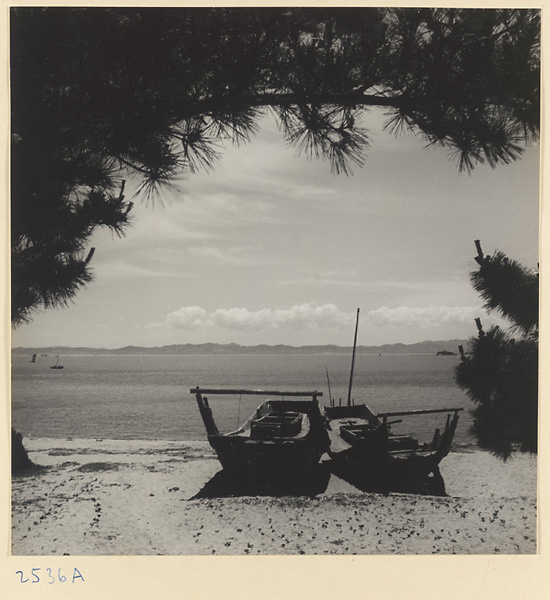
[(418, 412), (337, 444), (198, 390)]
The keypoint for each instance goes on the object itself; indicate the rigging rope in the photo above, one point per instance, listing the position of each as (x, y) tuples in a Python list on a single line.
[(239, 413)]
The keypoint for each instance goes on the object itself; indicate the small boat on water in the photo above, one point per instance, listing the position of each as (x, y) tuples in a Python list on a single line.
[(284, 438), (57, 365), (366, 452)]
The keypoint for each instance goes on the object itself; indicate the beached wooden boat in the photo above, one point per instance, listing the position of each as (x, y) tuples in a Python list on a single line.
[(365, 450), (367, 453), (284, 438)]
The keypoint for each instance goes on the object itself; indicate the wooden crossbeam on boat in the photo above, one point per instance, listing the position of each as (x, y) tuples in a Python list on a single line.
[(418, 412), (238, 392)]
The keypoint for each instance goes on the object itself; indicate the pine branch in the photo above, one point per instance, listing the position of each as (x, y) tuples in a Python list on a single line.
[(509, 289)]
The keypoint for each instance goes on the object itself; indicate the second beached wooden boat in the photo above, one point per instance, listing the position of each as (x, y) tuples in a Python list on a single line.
[(364, 449), (367, 453), (284, 438)]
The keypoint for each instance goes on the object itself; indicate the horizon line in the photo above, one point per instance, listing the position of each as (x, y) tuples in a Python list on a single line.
[(239, 345)]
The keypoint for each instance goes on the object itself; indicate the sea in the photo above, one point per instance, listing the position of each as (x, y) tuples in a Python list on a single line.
[(149, 397)]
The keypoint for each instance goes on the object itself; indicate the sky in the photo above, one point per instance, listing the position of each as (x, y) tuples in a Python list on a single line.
[(271, 248)]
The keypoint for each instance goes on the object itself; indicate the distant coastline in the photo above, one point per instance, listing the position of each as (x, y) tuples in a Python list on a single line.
[(426, 348)]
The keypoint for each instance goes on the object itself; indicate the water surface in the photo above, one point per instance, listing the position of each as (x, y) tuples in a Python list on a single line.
[(147, 397)]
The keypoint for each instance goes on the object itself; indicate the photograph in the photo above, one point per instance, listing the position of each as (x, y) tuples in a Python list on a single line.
[(274, 282)]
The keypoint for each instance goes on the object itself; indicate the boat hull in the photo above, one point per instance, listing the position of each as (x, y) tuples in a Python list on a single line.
[(368, 455), (384, 474), (267, 459)]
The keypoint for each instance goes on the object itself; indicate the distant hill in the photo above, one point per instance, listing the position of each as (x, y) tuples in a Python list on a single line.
[(428, 347)]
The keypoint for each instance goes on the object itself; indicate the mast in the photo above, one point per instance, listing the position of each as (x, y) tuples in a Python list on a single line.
[(331, 401), (353, 359)]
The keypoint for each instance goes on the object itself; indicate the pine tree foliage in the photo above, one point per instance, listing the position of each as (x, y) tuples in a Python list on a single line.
[(99, 95), (500, 372), (510, 289)]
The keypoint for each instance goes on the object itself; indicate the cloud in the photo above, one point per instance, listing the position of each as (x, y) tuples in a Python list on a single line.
[(355, 281), (243, 319), (234, 256), (426, 318), (187, 317), (311, 192), (119, 269)]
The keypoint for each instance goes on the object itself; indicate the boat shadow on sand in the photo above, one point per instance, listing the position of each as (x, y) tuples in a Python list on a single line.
[(226, 484), (426, 484)]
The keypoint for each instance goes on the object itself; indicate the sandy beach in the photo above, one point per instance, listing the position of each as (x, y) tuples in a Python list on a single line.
[(129, 497)]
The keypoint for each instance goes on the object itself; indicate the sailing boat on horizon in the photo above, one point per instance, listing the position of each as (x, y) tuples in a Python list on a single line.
[(57, 365)]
